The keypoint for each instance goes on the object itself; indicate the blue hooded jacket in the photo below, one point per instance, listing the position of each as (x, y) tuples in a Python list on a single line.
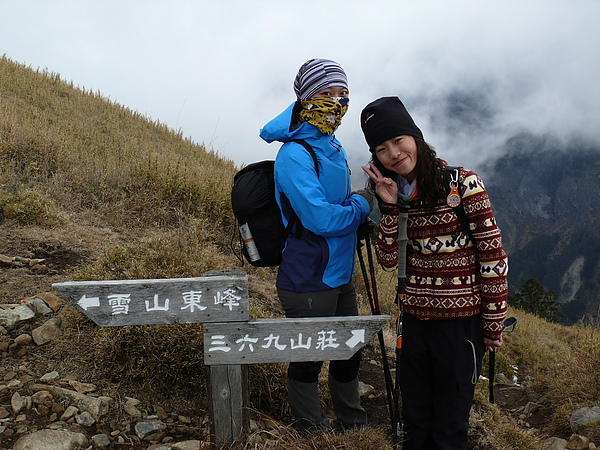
[(320, 254)]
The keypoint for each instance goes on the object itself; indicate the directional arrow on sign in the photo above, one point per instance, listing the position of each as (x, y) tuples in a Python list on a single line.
[(358, 336), (88, 302), (285, 340)]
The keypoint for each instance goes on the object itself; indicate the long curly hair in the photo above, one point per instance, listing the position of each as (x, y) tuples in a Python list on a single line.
[(430, 175)]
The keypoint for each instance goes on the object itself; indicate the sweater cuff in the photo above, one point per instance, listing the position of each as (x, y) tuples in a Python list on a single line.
[(389, 208)]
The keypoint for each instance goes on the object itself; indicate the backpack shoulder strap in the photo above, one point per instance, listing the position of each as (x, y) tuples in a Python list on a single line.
[(310, 150), (294, 219), (453, 172)]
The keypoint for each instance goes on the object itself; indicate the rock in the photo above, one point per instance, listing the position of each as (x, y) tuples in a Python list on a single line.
[(40, 268), (10, 375), (4, 413), (144, 429), (53, 302), (187, 445), (42, 398), (69, 412), (133, 401), (51, 440), (50, 376), (17, 402), (23, 339), (500, 378), (584, 417), (130, 407), (100, 440), (83, 388), (96, 406), (6, 261), (554, 443), (85, 419), (42, 410), (364, 389), (577, 442), (11, 315), (253, 426), (160, 412), (34, 262), (530, 408), (49, 331), (37, 305)]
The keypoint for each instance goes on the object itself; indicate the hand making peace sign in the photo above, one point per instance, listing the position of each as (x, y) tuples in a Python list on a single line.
[(386, 188)]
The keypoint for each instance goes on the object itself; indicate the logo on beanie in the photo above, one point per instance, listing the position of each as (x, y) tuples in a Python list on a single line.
[(368, 116)]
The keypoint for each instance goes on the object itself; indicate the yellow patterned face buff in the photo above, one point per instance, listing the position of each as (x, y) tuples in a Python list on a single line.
[(324, 113)]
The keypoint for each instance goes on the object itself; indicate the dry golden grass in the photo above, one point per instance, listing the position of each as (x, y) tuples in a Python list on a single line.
[(72, 159), (563, 362), (61, 145)]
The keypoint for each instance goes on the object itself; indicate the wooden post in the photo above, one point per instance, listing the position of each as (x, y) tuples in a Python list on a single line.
[(228, 395), (228, 402), (219, 300), (228, 345)]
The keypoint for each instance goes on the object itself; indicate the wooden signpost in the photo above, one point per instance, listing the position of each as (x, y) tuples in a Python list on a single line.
[(284, 340), (219, 300)]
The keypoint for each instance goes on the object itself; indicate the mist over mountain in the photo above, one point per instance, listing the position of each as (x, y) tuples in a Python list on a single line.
[(546, 198), (543, 178)]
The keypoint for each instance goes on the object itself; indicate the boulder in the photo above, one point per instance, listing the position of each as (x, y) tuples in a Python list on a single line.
[(585, 417), (11, 315), (51, 440), (49, 331), (51, 300)]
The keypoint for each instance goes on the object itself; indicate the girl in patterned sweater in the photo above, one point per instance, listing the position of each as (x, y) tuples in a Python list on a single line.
[(455, 286)]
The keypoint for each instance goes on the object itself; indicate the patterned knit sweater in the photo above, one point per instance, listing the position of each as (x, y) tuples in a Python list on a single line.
[(448, 278)]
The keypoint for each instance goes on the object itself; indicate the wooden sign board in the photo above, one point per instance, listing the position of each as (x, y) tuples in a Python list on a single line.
[(215, 298), (285, 340)]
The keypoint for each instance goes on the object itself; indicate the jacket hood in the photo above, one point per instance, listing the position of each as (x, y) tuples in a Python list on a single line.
[(280, 129)]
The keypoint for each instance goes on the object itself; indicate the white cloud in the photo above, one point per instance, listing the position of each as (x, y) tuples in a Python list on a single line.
[(220, 70)]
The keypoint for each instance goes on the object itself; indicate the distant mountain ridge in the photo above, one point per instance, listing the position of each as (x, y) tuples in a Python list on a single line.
[(547, 202)]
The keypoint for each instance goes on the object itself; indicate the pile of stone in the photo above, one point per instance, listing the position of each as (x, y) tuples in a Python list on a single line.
[(35, 264), (53, 411), (584, 422)]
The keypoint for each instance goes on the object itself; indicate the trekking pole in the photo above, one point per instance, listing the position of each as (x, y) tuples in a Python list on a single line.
[(402, 243), (508, 327), (374, 303)]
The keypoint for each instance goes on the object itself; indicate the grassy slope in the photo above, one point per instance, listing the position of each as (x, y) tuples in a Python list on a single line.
[(73, 163)]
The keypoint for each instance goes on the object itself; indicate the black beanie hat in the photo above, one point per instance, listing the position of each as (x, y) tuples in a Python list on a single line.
[(386, 118)]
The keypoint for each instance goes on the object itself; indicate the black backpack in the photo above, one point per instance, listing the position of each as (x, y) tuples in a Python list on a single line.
[(261, 228)]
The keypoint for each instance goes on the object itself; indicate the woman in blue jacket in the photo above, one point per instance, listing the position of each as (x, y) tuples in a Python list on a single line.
[(315, 275)]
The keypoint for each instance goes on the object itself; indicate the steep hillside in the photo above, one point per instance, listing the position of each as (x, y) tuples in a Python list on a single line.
[(547, 200)]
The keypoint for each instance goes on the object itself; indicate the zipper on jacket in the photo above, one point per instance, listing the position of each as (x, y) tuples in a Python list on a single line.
[(334, 145)]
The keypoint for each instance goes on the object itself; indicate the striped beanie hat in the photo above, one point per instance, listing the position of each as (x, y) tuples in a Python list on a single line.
[(316, 75)]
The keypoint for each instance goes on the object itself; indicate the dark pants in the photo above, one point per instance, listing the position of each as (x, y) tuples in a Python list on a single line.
[(340, 301), (439, 366), (343, 375)]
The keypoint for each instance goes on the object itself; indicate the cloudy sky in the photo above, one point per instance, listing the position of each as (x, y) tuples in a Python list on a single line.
[(218, 70)]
